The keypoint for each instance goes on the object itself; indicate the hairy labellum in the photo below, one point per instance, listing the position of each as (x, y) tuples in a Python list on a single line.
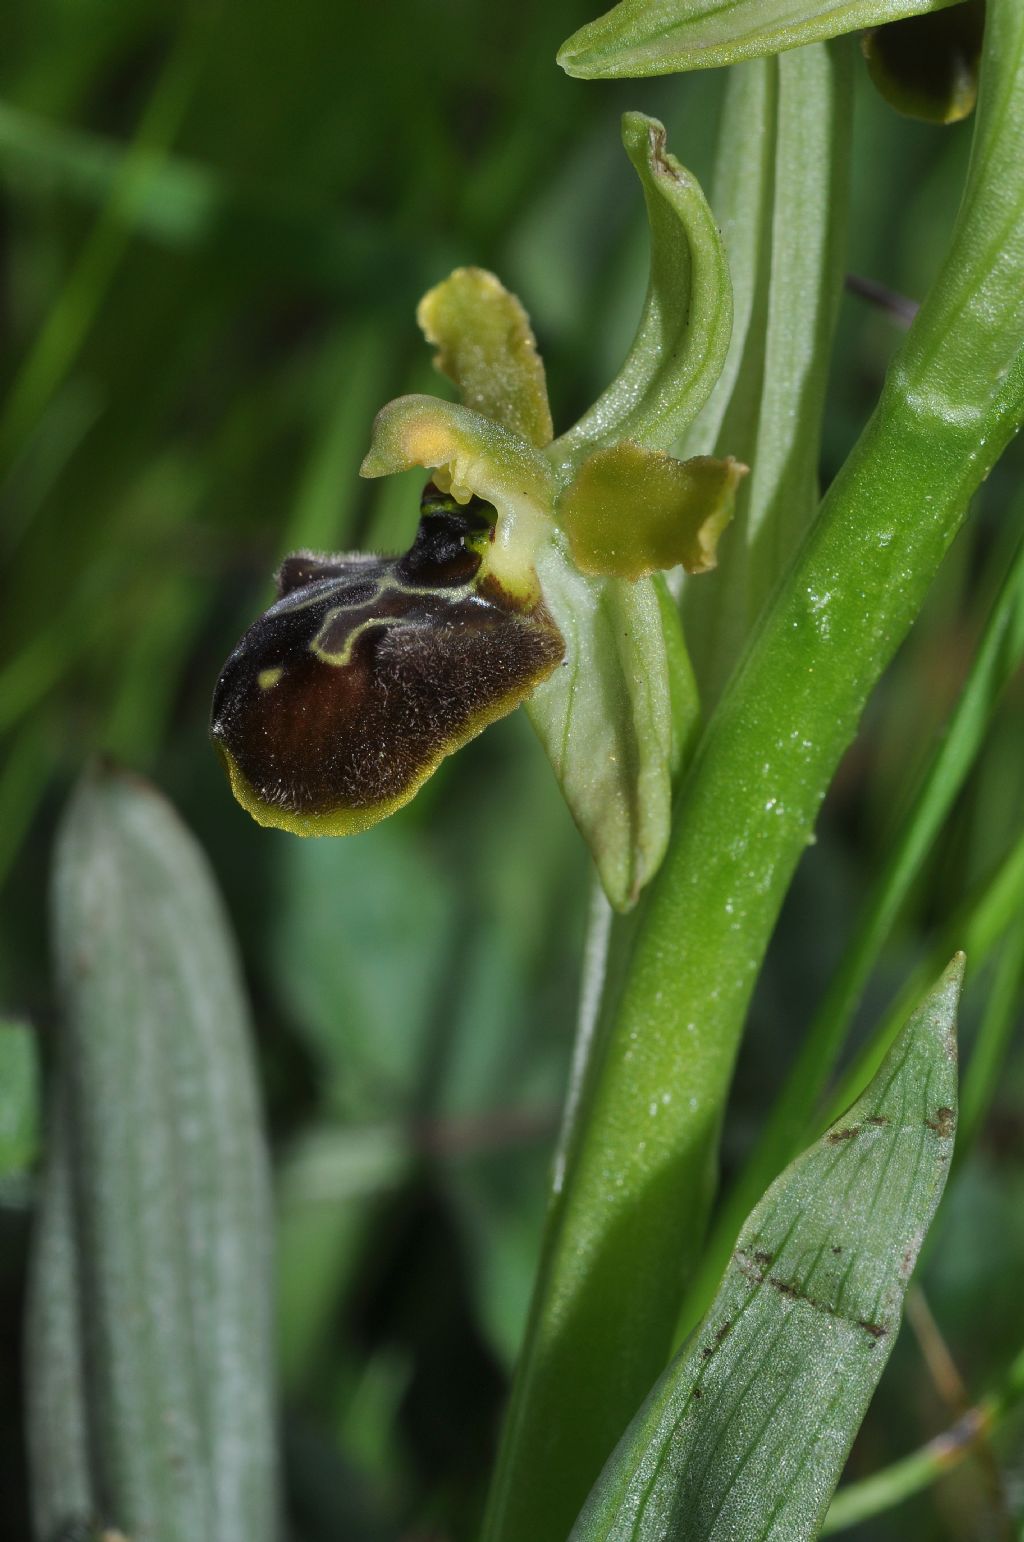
[(347, 693)]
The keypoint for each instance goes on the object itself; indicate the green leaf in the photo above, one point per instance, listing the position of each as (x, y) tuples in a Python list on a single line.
[(630, 511), (658, 37), (605, 720), (747, 1432), (683, 336), (784, 225), (150, 1381), (19, 1098), (487, 347)]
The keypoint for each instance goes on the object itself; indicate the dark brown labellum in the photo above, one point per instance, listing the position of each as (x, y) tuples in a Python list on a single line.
[(347, 693)]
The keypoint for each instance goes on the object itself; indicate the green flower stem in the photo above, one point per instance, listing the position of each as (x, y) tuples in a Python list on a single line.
[(625, 1230), (996, 661), (858, 1502)]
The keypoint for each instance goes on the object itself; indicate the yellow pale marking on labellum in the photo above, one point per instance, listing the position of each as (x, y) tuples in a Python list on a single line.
[(630, 511), (487, 348)]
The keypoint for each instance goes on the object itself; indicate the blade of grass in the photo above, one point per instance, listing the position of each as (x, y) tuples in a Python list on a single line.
[(186, 204), (356, 365), (859, 1502), (69, 319), (980, 924), (1002, 1015)]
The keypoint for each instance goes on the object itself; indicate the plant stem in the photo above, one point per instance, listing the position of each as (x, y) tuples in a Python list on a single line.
[(996, 661), (625, 1231)]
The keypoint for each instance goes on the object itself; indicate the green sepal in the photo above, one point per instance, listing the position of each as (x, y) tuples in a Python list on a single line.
[(927, 67), (487, 348), (605, 720), (682, 682), (639, 38), (471, 454), (746, 1433), (683, 336), (630, 511)]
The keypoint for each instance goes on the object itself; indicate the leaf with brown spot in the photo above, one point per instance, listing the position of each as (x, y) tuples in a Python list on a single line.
[(813, 1299)]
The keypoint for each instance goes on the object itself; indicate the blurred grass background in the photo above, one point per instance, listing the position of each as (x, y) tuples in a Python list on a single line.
[(216, 222)]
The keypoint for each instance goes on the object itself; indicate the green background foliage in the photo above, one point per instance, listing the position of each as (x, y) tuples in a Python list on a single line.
[(217, 223)]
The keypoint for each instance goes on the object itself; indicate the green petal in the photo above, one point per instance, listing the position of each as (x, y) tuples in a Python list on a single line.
[(630, 511), (487, 347), (683, 336), (473, 455), (605, 720), (657, 37)]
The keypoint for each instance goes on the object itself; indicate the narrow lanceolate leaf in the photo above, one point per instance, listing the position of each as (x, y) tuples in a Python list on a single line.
[(486, 346), (747, 1432), (149, 1361), (19, 1098), (630, 511), (605, 720), (683, 336), (658, 37), (786, 236)]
